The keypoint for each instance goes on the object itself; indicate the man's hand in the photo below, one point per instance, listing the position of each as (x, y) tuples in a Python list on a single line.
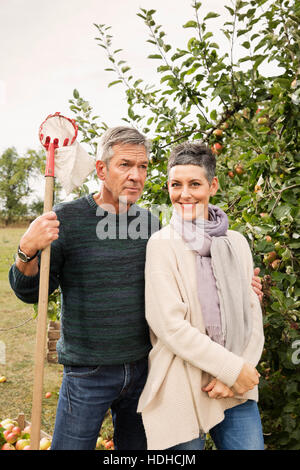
[(256, 284), (216, 389), (247, 380), (40, 233)]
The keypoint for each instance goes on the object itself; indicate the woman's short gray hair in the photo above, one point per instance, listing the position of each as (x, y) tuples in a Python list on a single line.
[(194, 153), (120, 135)]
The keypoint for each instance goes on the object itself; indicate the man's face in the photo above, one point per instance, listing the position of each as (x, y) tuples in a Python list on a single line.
[(125, 178)]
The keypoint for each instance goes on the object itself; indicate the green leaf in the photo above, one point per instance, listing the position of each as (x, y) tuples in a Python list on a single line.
[(75, 93), (154, 56), (190, 24), (211, 15), (114, 83)]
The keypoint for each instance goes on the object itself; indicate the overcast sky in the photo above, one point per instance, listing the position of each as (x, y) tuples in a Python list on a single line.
[(48, 49)]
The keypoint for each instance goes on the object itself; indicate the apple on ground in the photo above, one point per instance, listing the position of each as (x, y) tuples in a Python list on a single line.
[(27, 429), (100, 442), (45, 443), (48, 395), (22, 443), (11, 437), (7, 446), (2, 379), (109, 444)]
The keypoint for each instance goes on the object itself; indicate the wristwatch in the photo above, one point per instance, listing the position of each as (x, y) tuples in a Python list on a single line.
[(23, 257)]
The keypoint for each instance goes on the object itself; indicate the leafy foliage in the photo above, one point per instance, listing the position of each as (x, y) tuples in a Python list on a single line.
[(251, 121)]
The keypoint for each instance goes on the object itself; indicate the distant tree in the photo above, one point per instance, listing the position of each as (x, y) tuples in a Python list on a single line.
[(15, 173)]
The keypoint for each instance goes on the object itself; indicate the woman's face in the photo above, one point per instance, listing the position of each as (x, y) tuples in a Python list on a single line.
[(190, 190)]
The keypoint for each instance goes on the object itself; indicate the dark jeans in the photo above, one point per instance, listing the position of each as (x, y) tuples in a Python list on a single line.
[(85, 396)]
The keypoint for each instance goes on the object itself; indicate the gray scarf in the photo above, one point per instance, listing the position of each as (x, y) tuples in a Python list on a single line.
[(223, 290)]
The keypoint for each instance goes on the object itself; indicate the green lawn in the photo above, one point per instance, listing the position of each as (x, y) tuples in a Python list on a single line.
[(16, 392)]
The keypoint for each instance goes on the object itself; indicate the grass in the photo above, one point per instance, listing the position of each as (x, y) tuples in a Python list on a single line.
[(19, 343)]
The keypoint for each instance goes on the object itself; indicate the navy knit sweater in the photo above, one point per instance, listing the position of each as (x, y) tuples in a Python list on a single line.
[(98, 262)]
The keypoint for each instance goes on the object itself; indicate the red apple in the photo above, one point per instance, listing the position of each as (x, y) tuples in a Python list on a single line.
[(48, 395), (7, 446), (230, 174), (216, 148), (109, 444), (275, 264), (218, 132), (12, 437), (239, 169), (22, 443), (268, 238), (17, 430)]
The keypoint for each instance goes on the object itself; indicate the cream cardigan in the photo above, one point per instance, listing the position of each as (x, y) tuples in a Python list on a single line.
[(183, 358)]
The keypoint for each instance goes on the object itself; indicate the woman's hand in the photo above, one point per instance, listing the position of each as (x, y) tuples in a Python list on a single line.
[(247, 380), (216, 389)]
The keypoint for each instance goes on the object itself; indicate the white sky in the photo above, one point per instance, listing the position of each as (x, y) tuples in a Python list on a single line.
[(47, 49)]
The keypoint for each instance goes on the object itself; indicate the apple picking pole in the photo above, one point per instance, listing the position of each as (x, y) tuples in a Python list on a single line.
[(42, 312)]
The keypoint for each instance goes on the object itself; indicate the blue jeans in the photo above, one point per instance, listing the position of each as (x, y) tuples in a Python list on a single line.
[(241, 429), (85, 396)]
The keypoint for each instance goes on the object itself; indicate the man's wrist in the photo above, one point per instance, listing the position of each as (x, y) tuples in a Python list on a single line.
[(27, 249)]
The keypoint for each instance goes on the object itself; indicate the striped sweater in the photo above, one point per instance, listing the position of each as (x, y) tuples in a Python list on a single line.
[(100, 271)]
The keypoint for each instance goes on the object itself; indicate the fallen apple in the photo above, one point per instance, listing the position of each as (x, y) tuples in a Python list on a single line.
[(12, 437), (2, 379), (22, 443), (48, 395), (7, 446), (17, 430), (109, 444)]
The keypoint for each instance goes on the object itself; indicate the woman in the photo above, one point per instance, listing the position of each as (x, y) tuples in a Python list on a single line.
[(205, 320)]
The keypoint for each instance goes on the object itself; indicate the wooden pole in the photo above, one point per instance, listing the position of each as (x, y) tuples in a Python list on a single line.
[(41, 326)]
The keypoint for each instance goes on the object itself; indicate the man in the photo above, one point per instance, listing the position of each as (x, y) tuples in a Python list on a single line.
[(98, 245)]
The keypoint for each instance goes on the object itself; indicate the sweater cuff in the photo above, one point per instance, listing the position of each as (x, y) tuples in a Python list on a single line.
[(25, 281), (231, 369)]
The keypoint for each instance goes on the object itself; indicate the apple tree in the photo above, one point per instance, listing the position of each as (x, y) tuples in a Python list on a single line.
[(222, 92)]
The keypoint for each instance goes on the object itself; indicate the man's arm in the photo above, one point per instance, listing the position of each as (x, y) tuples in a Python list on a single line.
[(24, 277)]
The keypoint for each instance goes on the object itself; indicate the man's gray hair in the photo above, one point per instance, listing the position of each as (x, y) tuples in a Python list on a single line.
[(120, 135)]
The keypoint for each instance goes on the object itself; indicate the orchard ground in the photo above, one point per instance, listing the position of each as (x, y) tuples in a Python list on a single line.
[(16, 392)]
